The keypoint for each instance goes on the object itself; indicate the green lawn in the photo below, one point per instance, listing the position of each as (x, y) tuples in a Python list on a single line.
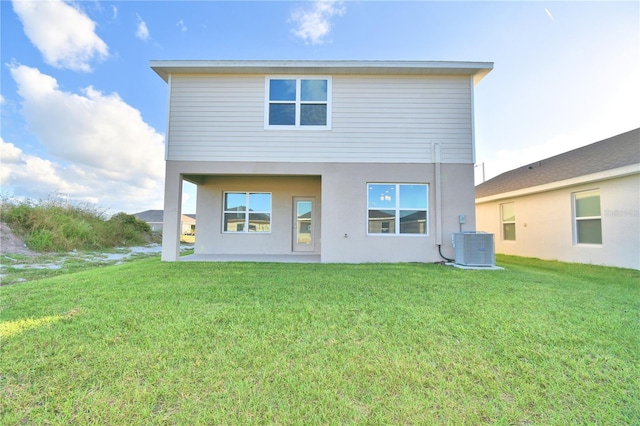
[(147, 342)]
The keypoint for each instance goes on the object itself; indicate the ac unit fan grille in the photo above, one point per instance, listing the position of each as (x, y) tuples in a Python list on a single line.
[(474, 249)]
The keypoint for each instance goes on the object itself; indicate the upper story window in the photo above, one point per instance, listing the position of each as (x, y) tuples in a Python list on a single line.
[(508, 216), (587, 217), (394, 208), (298, 102)]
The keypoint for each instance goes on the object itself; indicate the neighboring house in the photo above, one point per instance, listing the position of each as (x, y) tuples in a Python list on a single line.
[(188, 224), (155, 220), (581, 206), (333, 161)]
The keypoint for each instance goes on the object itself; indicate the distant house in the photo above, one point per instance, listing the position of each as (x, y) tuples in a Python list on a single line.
[(155, 220), (321, 161), (581, 206)]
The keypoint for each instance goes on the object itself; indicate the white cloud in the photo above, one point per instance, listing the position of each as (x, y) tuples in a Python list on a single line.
[(614, 112), (570, 110), (32, 176), (102, 146), (9, 154), (180, 24), (62, 33), (509, 159), (548, 13), (115, 12), (313, 23), (142, 31)]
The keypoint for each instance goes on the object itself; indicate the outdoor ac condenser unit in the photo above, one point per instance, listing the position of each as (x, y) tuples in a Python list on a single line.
[(474, 249)]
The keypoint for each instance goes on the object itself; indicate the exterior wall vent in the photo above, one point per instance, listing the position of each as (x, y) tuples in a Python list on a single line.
[(474, 249)]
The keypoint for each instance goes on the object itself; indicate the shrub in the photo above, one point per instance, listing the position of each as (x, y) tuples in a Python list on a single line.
[(54, 226), (126, 229), (18, 215), (41, 240)]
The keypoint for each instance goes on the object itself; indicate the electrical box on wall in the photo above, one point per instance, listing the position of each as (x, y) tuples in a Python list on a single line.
[(462, 219)]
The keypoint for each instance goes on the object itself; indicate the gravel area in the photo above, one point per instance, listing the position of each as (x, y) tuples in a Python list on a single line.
[(11, 244)]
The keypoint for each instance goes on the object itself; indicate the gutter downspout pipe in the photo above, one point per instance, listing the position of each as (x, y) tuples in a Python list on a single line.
[(437, 183), (437, 187)]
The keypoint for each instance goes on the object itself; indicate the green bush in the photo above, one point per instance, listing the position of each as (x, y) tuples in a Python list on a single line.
[(53, 226), (132, 222), (18, 215), (126, 229), (41, 240)]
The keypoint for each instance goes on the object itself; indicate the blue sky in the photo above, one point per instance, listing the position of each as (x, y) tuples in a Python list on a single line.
[(84, 116)]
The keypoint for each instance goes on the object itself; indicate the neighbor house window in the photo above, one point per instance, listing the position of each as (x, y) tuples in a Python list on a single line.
[(247, 212), (298, 103), (394, 208), (508, 216), (588, 221)]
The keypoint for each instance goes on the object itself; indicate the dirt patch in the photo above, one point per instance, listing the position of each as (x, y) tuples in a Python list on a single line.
[(11, 244)]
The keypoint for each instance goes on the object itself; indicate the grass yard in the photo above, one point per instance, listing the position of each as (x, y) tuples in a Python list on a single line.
[(147, 342)]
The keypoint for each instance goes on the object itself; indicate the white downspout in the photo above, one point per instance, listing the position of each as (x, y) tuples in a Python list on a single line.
[(473, 122), (437, 184), (168, 128)]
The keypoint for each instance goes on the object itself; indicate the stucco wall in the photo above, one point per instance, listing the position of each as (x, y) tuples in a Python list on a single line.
[(544, 224), (341, 193), (212, 240), (346, 186)]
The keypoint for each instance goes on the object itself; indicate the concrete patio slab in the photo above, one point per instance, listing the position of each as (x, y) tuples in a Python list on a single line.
[(275, 258)]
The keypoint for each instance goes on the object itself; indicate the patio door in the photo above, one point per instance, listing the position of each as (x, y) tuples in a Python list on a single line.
[(303, 224)]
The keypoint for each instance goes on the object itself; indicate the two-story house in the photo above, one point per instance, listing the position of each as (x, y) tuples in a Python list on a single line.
[(330, 161)]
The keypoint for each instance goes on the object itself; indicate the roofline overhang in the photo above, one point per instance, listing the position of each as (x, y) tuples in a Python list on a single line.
[(619, 172), (477, 70)]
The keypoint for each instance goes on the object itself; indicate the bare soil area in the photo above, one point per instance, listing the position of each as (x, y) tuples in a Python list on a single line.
[(12, 244)]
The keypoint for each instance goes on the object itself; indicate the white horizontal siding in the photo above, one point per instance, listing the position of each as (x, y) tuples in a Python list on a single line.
[(374, 119)]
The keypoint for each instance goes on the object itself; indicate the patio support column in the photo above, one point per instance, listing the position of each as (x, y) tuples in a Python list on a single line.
[(172, 214)]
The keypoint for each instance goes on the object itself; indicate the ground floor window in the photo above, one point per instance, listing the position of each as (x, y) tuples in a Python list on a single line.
[(397, 208), (508, 216), (587, 217), (247, 212)]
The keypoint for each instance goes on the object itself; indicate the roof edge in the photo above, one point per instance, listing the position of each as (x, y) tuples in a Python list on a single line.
[(166, 67), (619, 172)]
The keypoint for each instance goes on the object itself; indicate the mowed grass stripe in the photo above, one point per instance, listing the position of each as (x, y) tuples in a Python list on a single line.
[(237, 343)]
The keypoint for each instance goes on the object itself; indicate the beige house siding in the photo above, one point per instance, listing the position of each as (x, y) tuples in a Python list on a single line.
[(545, 225), (391, 119), (187, 224)]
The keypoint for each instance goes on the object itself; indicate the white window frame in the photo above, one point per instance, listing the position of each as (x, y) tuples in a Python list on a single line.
[(507, 222), (248, 211), (397, 210), (577, 219), (298, 102)]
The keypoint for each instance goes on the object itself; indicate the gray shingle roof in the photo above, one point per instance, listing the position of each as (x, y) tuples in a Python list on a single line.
[(617, 151), (157, 216), (151, 216)]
